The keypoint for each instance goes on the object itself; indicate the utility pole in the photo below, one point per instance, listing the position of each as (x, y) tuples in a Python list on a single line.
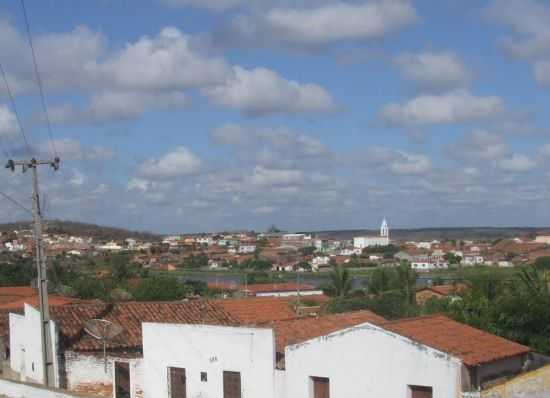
[(42, 277)]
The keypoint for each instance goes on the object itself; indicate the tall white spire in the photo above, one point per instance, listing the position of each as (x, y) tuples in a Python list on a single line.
[(384, 229)]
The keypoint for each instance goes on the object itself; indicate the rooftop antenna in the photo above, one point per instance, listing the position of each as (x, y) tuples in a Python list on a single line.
[(104, 331)]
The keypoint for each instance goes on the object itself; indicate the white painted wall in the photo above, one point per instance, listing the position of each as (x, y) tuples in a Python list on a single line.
[(367, 361), (26, 348), (290, 294), (211, 349)]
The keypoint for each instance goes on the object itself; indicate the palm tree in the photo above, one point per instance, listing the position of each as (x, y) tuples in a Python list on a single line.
[(340, 282), (407, 281)]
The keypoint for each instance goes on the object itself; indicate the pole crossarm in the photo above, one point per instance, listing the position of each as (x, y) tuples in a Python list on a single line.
[(41, 266)]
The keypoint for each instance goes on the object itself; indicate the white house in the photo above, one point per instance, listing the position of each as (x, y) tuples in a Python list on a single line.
[(246, 249), (109, 246), (361, 242), (470, 260), (338, 356), (205, 240)]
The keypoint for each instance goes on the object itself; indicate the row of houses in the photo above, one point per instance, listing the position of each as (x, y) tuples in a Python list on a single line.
[(257, 347)]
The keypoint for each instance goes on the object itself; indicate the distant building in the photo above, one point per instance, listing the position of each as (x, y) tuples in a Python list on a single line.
[(361, 242), (543, 239), (246, 249)]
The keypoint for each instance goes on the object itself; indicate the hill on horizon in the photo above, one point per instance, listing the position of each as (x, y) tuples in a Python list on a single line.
[(98, 232), (444, 233)]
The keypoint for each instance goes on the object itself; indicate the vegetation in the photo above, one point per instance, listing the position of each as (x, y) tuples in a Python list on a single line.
[(340, 283), (17, 274), (514, 304), (159, 288)]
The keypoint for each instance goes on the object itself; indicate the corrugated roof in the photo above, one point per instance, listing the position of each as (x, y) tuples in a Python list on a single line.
[(471, 345)]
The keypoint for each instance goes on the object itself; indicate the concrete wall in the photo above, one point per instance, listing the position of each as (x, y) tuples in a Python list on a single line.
[(367, 361), (211, 349), (535, 384), (25, 346), (13, 389)]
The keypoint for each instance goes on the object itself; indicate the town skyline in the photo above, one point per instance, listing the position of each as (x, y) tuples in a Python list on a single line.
[(231, 124)]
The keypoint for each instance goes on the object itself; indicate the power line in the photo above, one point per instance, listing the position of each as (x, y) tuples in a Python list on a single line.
[(15, 111), (38, 79), (15, 202)]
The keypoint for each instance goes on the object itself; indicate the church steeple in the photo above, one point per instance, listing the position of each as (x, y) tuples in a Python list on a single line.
[(384, 229)]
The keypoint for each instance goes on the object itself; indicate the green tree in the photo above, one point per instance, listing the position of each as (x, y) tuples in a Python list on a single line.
[(159, 288), (340, 283), (543, 263), (17, 274), (406, 278)]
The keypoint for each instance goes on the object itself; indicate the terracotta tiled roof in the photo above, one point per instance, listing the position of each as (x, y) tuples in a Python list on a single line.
[(259, 310), (300, 330), (53, 300), (278, 287), (446, 290), (14, 293), (471, 345), (129, 316)]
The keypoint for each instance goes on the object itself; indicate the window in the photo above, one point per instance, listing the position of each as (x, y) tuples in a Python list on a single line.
[(320, 387), (231, 384), (122, 380), (420, 392), (177, 383), (204, 376)]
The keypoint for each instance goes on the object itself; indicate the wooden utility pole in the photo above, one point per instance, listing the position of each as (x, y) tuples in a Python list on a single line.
[(42, 277)]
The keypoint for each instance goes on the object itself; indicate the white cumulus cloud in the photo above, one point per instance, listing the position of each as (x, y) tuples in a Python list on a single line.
[(262, 91), (433, 70), (180, 162), (454, 107)]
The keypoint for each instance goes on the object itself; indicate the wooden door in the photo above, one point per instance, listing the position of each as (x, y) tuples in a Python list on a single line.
[(231, 384), (421, 392), (321, 387), (122, 380), (177, 382)]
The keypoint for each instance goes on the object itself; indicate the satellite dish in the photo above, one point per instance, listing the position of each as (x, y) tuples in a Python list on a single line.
[(104, 331)]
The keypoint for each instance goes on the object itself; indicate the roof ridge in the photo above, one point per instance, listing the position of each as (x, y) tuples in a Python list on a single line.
[(416, 318)]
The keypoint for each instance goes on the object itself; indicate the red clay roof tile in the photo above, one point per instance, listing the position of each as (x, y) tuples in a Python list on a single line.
[(469, 344)]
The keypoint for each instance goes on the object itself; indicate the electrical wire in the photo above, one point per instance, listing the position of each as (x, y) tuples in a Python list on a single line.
[(15, 111), (38, 79), (15, 202)]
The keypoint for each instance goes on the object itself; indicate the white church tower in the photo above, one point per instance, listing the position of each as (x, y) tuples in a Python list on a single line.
[(384, 229)]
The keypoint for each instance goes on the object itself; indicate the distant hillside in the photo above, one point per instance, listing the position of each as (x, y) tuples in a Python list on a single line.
[(468, 233), (97, 232)]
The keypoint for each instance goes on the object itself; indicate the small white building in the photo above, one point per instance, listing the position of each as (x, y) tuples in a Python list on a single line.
[(246, 249), (109, 246), (361, 242), (338, 356), (543, 239), (471, 259), (204, 240)]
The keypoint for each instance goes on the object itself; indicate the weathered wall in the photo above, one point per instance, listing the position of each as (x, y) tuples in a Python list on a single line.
[(13, 389), (535, 384), (211, 349), (367, 361), (86, 374)]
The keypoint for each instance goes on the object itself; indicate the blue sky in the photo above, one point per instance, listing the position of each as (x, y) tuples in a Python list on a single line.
[(188, 115)]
